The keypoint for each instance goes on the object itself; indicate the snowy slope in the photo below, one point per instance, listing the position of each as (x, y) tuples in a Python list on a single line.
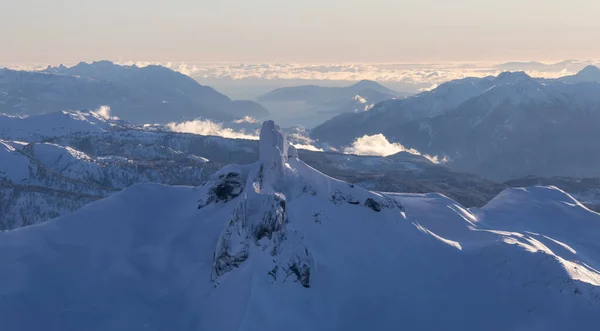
[(32, 93), (14, 166), (277, 245), (55, 124), (39, 181), (343, 129)]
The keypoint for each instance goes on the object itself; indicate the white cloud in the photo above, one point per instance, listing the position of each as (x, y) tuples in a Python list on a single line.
[(360, 99), (307, 147), (378, 145), (210, 128), (300, 139), (246, 119), (104, 112), (424, 75)]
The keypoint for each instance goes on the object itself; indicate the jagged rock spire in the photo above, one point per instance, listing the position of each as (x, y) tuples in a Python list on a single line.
[(273, 144), (274, 151)]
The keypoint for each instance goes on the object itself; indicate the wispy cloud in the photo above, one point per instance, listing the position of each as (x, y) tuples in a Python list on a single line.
[(104, 112), (210, 128), (299, 138), (378, 145), (246, 119)]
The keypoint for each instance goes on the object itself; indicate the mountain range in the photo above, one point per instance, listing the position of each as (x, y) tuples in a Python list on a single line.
[(81, 156), (152, 94), (569, 65), (275, 244), (70, 158), (502, 127)]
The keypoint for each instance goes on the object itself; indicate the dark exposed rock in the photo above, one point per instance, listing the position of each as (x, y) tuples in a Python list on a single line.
[(227, 188), (376, 206), (224, 263), (301, 271), (272, 221)]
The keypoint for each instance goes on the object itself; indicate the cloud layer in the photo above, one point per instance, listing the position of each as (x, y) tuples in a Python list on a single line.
[(416, 74), (378, 145), (299, 138), (419, 76)]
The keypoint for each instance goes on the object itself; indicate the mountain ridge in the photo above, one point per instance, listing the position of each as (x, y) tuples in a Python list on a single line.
[(519, 112), (152, 94)]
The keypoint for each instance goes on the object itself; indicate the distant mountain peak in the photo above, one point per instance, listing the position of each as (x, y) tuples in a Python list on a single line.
[(590, 68), (101, 63), (590, 73), (512, 77), (365, 83)]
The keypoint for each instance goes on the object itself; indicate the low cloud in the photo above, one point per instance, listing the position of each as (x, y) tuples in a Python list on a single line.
[(300, 139), (246, 119), (422, 76), (210, 128), (104, 112), (360, 99), (378, 145), (307, 147)]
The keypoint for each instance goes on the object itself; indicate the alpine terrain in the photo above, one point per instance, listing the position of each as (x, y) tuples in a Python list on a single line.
[(502, 127), (151, 94), (277, 245)]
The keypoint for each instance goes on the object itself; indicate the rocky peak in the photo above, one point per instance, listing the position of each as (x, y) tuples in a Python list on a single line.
[(509, 77), (274, 151)]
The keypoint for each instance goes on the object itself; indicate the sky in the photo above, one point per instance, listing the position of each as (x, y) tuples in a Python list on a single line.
[(307, 31)]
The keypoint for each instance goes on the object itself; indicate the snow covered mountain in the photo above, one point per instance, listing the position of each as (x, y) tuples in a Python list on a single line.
[(585, 190), (40, 181), (31, 93), (152, 94), (428, 104), (56, 124), (81, 158), (278, 245), (502, 127), (171, 93)]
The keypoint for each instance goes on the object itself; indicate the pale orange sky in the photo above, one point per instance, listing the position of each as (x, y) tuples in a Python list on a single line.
[(299, 31)]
